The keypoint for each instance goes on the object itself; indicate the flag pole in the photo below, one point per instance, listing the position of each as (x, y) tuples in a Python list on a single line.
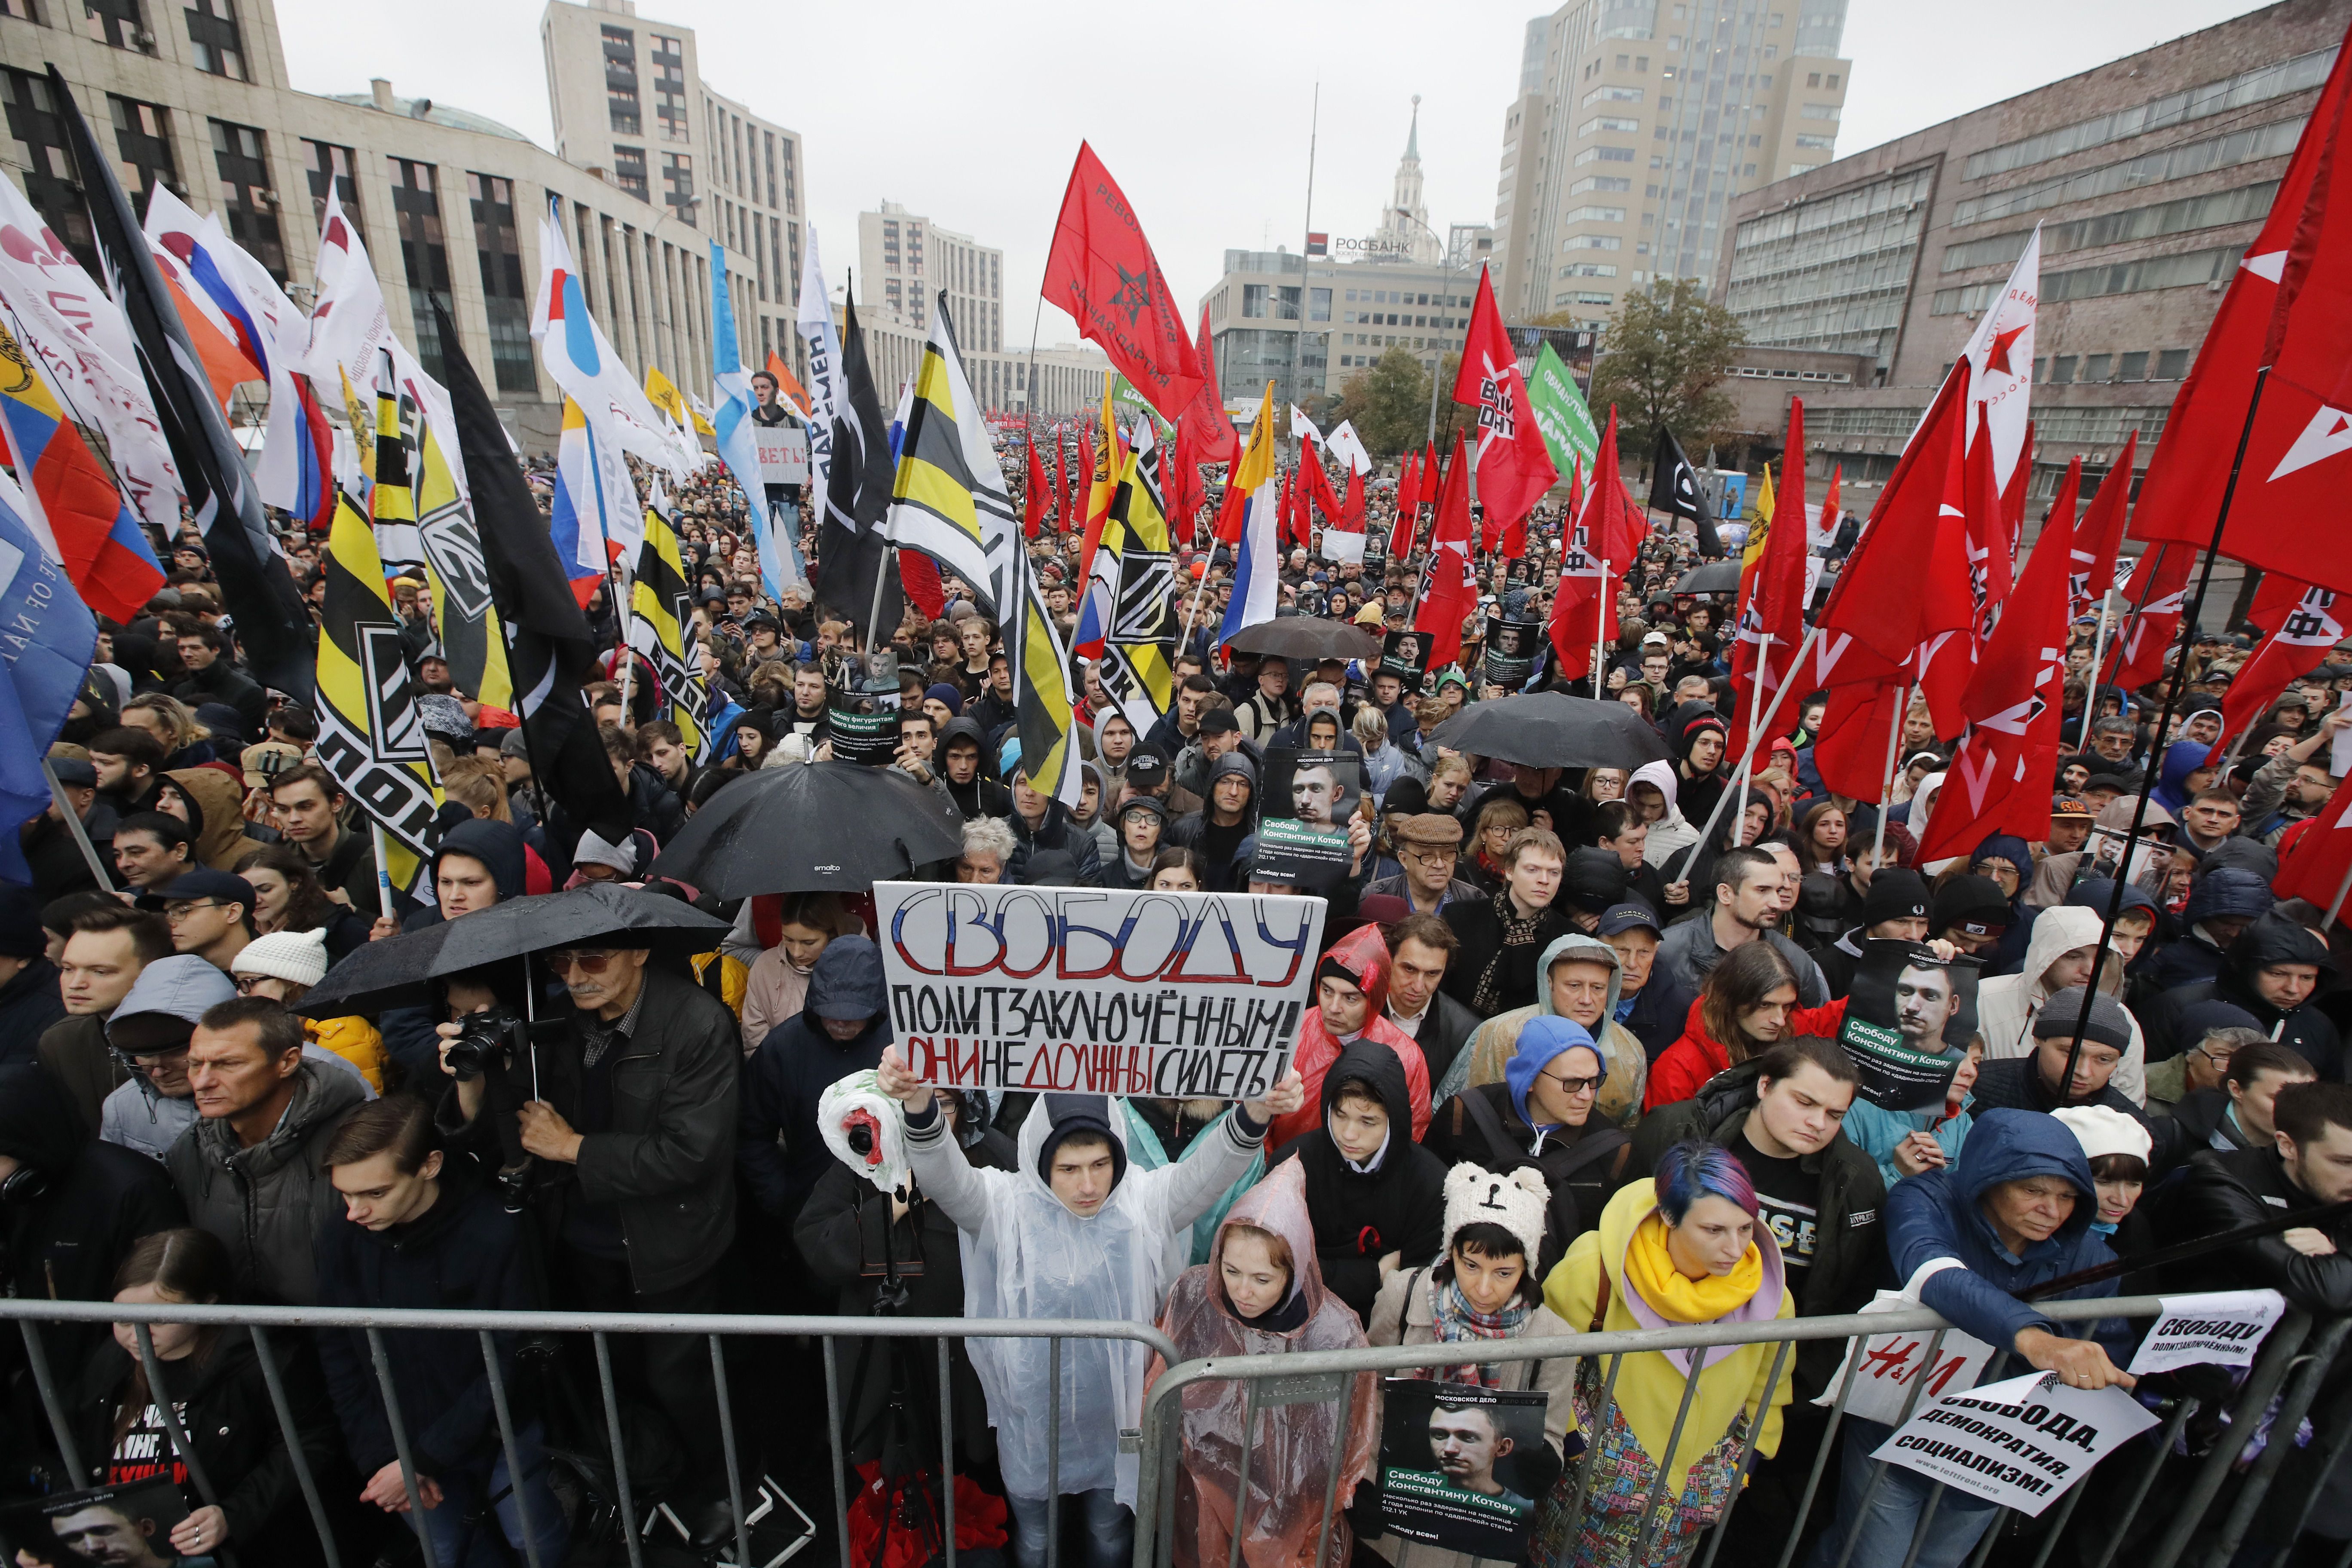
[(1600, 627), (2335, 906), (81, 834), (1763, 667), (1886, 781), (1748, 756), (2098, 657), (2190, 617), (2123, 633), (384, 871)]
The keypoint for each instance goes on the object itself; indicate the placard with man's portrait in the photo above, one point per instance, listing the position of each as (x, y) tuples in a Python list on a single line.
[(1909, 1017), (1462, 1465)]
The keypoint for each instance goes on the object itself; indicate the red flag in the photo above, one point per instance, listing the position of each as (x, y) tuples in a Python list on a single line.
[(1991, 538), (2303, 627), (2297, 274), (1408, 510), (1061, 491), (1906, 582), (1315, 486), (2101, 536), (1214, 439), (2000, 778), (919, 576), (1575, 487), (787, 383), (1772, 612), (1032, 519), (2316, 853), (2160, 585), (1449, 595), (1515, 540), (1102, 272), (1233, 513), (1514, 467), (1829, 503), (1181, 487), (1351, 512), (1600, 541), (1850, 753)]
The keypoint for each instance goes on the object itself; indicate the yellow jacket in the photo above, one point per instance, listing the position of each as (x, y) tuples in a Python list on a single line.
[(1650, 1386), (355, 1040)]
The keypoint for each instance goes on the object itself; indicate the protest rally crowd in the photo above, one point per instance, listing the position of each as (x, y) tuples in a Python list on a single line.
[(1634, 1040)]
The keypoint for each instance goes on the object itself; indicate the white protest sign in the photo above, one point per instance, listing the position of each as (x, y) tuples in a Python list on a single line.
[(2018, 1443), (784, 453), (1891, 1362), (2221, 1327), (1193, 996)]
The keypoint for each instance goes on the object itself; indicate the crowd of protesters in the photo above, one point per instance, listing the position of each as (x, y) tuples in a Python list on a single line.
[(1572, 1064)]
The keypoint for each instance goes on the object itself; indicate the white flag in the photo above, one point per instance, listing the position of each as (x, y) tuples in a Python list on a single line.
[(1302, 427), (1349, 448), (814, 323), (577, 354)]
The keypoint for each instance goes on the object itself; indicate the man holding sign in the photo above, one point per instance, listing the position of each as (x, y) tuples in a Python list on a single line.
[(1072, 1232)]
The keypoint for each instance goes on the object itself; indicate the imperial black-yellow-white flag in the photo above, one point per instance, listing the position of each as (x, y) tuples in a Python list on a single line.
[(371, 735), (1126, 622), (1042, 715), (950, 500), (658, 615)]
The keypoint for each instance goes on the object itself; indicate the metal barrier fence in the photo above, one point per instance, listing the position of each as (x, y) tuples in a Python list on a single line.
[(30, 1314), (2298, 1356), (2291, 1367)]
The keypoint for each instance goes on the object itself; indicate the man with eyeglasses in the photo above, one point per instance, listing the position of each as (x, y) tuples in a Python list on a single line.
[(210, 914), (636, 1126), (1427, 848)]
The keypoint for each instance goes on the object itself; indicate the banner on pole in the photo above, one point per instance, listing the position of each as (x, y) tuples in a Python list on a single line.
[(1192, 996)]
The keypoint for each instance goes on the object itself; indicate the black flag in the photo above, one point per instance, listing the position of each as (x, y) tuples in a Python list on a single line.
[(1675, 489), (850, 550), (272, 623), (550, 649)]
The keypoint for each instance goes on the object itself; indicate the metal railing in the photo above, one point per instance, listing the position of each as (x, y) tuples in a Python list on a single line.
[(31, 1314), (2291, 1368), (2295, 1362)]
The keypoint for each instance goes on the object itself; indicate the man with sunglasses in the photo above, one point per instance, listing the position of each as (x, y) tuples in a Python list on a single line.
[(210, 914), (632, 1123)]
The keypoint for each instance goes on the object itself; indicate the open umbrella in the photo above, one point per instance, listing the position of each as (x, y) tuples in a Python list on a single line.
[(594, 915), (1306, 637), (812, 827), (1552, 730), (378, 975), (1715, 577)]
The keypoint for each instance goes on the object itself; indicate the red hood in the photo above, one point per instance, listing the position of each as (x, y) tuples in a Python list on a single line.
[(1364, 953)]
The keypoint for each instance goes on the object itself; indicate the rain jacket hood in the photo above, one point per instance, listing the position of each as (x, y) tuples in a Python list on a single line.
[(497, 845), (1544, 1040), (847, 982), (2010, 1145), (1586, 949), (2181, 758), (182, 985), (218, 801), (2226, 891), (1364, 953)]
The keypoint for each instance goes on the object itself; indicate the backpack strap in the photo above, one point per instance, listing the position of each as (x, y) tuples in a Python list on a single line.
[(1600, 1302)]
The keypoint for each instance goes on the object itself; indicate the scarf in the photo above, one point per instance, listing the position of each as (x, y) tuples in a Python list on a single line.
[(1456, 1321), (1517, 931), (1650, 1273)]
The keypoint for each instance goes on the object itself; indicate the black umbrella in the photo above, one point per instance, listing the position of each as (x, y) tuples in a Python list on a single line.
[(1553, 730), (812, 827), (594, 915), (378, 975), (1715, 577), (1306, 637)]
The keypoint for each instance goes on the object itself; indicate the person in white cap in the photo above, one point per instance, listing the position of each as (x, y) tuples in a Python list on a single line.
[(284, 966), (2118, 1147), (599, 860)]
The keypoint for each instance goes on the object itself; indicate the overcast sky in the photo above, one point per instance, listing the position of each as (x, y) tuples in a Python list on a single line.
[(971, 115)]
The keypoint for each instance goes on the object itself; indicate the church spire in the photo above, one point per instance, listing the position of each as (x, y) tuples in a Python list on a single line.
[(1412, 137)]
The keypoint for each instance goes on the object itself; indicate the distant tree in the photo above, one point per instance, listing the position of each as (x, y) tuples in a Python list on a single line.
[(1389, 402), (1663, 362)]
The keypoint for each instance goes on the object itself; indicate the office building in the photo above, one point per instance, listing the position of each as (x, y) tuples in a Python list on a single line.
[(903, 263), (1309, 325), (2149, 176), (1636, 122), (447, 201)]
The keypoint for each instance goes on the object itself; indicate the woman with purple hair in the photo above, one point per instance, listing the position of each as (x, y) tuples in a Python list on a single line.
[(1681, 1248)]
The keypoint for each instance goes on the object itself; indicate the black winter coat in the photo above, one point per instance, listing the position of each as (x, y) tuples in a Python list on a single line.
[(2220, 1192), (847, 1239), (233, 1428), (1359, 1218), (30, 1003), (466, 1253), (1480, 928), (1580, 1173), (2271, 938), (793, 1069), (1849, 1258)]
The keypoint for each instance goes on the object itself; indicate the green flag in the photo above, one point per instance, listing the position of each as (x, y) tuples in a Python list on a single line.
[(1561, 414)]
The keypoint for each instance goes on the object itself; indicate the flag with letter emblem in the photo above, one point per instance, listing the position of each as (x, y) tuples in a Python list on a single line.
[(949, 500), (371, 731), (2304, 623), (1102, 272), (1514, 466), (1601, 540), (1125, 621), (1675, 491)]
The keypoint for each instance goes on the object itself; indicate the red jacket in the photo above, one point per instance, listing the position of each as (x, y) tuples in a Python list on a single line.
[(1365, 955), (1683, 1068)]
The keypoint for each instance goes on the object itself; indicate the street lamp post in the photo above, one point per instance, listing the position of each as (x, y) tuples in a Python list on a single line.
[(1446, 264)]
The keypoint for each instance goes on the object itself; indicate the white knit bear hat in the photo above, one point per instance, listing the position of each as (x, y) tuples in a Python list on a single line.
[(1518, 1202)]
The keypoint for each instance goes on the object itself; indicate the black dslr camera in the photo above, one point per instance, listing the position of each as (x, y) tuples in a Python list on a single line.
[(497, 1039)]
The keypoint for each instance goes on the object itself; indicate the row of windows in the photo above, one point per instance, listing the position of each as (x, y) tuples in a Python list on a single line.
[(215, 45), (2275, 139), (2246, 203), (2170, 365), (2094, 282), (2256, 85), (1407, 296), (1393, 319), (1756, 373)]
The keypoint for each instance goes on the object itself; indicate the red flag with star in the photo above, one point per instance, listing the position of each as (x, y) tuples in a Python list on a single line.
[(2289, 306), (1514, 466), (2000, 776), (1102, 272), (1448, 592)]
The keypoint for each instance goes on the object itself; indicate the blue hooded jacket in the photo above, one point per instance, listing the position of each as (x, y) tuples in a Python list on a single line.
[(1934, 1216), (2181, 759), (794, 1066), (1542, 1039)]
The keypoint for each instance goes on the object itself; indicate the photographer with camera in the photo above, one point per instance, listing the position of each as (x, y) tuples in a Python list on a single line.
[(628, 1111)]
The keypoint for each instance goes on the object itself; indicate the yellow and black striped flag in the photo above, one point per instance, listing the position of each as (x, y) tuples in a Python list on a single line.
[(1126, 623), (1042, 715), (370, 733), (950, 500), (659, 614)]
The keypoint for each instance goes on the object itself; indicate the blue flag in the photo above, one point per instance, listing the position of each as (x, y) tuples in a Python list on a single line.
[(777, 537), (46, 638)]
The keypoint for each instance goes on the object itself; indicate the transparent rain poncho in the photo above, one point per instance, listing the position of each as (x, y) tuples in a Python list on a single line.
[(1293, 1446), (1025, 1256)]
